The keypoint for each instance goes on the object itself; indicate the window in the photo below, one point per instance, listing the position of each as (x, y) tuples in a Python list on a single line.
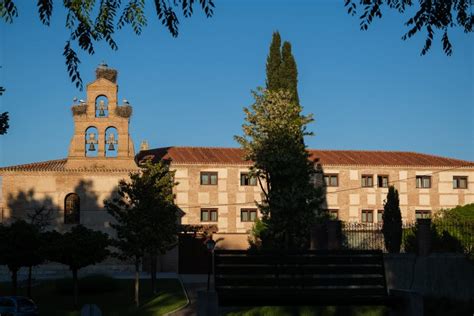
[(331, 180), (246, 179), (423, 181), (422, 214), (379, 216), (367, 216), (367, 181), (248, 215), (72, 209), (459, 182), (209, 215), (333, 213), (382, 181), (209, 178)]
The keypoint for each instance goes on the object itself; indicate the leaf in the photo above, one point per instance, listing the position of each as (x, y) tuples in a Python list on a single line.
[(8, 10), (72, 64), (447, 47), (45, 9)]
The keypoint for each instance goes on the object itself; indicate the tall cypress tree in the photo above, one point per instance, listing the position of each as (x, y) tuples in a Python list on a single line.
[(288, 72), (274, 63), (392, 221), (281, 68)]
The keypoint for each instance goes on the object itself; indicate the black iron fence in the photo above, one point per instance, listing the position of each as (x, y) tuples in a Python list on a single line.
[(445, 236)]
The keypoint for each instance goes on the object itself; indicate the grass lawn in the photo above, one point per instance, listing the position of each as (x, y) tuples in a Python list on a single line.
[(432, 307), (312, 311), (113, 302)]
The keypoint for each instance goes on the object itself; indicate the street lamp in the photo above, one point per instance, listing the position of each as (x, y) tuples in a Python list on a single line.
[(210, 245)]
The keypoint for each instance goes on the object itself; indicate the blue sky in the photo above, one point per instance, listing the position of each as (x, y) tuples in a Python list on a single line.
[(367, 90)]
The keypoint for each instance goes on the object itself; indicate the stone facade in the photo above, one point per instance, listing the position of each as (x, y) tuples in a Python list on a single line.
[(94, 179)]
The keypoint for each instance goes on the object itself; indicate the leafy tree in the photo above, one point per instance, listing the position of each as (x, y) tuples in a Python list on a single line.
[(146, 216), (392, 221), (430, 16), (19, 247), (274, 140), (77, 249), (281, 68), (95, 21), (458, 214)]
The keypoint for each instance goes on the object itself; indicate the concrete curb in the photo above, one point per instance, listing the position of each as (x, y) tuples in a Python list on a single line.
[(188, 302)]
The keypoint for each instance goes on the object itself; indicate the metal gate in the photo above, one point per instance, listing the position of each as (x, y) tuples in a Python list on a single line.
[(194, 257)]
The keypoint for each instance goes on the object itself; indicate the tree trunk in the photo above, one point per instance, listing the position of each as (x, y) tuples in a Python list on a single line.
[(76, 287), (29, 281), (14, 281), (137, 282), (153, 272)]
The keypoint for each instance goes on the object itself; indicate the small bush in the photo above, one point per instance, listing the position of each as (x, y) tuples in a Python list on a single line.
[(441, 241), (91, 284)]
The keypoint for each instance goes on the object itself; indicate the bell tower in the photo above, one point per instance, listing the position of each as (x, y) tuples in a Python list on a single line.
[(101, 127)]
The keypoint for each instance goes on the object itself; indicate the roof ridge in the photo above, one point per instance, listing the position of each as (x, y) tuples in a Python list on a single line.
[(323, 150)]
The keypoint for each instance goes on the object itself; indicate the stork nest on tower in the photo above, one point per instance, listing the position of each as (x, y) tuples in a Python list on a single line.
[(106, 73), (79, 109), (124, 111)]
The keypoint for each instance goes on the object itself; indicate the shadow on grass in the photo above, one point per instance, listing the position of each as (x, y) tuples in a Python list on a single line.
[(117, 302)]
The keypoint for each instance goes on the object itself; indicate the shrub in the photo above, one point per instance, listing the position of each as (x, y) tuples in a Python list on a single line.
[(255, 238), (91, 284), (441, 241)]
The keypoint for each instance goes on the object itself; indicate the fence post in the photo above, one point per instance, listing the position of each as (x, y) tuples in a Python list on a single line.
[(334, 235), (424, 236)]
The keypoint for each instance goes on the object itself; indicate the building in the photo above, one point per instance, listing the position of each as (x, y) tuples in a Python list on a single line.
[(214, 186), (100, 154)]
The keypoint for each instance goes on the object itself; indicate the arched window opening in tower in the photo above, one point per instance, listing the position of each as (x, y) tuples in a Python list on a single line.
[(101, 106), (111, 142), (91, 142)]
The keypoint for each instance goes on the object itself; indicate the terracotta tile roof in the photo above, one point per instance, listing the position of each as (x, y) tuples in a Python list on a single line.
[(50, 165), (58, 165), (234, 156)]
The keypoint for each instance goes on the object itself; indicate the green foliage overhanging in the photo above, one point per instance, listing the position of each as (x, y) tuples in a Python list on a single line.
[(90, 22), (428, 15)]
